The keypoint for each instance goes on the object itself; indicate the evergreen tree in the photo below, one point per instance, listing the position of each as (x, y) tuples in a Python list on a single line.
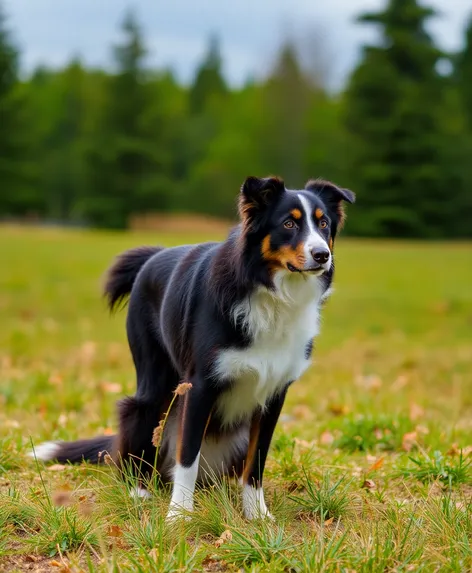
[(393, 113), (209, 82), (127, 162), (287, 95), (16, 176), (464, 75)]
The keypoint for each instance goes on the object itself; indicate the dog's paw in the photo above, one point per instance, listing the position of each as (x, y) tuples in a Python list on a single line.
[(254, 505), (140, 492), (252, 513), (178, 513)]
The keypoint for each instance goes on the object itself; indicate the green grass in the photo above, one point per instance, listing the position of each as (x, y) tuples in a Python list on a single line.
[(365, 474)]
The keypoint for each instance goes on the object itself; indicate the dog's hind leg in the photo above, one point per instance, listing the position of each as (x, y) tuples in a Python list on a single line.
[(156, 379)]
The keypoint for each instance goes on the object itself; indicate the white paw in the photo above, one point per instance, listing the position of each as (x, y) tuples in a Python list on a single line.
[(140, 492), (178, 513), (254, 505)]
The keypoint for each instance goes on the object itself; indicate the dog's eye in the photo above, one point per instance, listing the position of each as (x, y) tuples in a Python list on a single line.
[(323, 224), (290, 224)]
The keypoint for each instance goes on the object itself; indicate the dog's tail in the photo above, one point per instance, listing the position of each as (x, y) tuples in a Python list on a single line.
[(122, 273), (92, 450)]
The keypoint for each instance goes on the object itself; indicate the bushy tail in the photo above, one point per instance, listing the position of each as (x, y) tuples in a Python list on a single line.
[(122, 273), (91, 451)]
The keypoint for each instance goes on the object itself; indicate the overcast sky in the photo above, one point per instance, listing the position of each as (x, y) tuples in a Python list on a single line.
[(176, 31)]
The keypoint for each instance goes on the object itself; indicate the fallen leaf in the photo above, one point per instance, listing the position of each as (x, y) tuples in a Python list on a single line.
[(32, 558), (112, 387), (56, 379), (326, 438), (422, 430), (371, 382), (115, 531), (409, 440), (339, 409), (376, 465), (329, 521), (303, 443), (400, 383), (416, 412), (368, 484), (62, 498), (302, 412), (224, 537), (57, 468)]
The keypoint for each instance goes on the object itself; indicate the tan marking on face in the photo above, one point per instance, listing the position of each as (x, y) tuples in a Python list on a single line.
[(279, 259), (319, 213), (330, 244), (296, 213)]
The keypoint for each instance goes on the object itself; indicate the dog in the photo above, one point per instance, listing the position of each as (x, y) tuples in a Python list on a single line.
[(235, 322)]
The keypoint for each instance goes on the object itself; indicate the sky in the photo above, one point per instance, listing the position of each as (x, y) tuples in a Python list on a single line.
[(176, 31)]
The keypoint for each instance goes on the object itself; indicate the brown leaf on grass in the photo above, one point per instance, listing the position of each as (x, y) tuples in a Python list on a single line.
[(454, 450), (400, 383), (368, 484), (326, 438), (376, 465), (62, 498), (303, 443), (372, 382), (87, 351), (112, 387), (224, 537), (115, 531), (416, 412), (328, 521), (57, 468), (409, 440), (302, 412), (63, 567), (338, 409), (56, 379), (32, 558)]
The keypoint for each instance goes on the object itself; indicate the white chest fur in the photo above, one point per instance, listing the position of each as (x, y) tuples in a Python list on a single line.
[(281, 324)]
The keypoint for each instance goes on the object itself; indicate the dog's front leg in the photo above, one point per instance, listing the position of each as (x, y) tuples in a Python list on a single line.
[(194, 412), (262, 430)]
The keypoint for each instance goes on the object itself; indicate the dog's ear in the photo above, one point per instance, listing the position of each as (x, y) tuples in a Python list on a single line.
[(258, 194), (333, 197)]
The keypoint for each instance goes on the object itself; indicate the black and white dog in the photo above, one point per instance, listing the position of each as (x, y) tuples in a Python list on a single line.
[(234, 319)]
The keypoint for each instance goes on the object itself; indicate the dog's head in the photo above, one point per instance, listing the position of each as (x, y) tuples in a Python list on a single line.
[(293, 230)]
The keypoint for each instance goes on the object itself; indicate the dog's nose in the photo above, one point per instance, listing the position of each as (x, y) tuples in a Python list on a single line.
[(321, 256)]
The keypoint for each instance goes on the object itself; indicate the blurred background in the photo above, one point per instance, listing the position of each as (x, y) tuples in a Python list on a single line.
[(114, 114)]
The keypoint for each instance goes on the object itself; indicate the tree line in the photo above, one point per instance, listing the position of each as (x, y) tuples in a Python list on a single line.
[(95, 146)]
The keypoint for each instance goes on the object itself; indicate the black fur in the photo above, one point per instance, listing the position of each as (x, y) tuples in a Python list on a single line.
[(122, 274), (180, 321)]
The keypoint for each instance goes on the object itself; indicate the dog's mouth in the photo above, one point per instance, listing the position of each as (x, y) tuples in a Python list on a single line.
[(315, 269)]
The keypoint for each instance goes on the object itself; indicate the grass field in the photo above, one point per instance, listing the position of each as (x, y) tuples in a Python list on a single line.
[(370, 468)]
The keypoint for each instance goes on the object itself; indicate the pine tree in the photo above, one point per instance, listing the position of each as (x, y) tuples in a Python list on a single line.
[(128, 163), (17, 195), (464, 74), (287, 94), (209, 82), (393, 114)]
